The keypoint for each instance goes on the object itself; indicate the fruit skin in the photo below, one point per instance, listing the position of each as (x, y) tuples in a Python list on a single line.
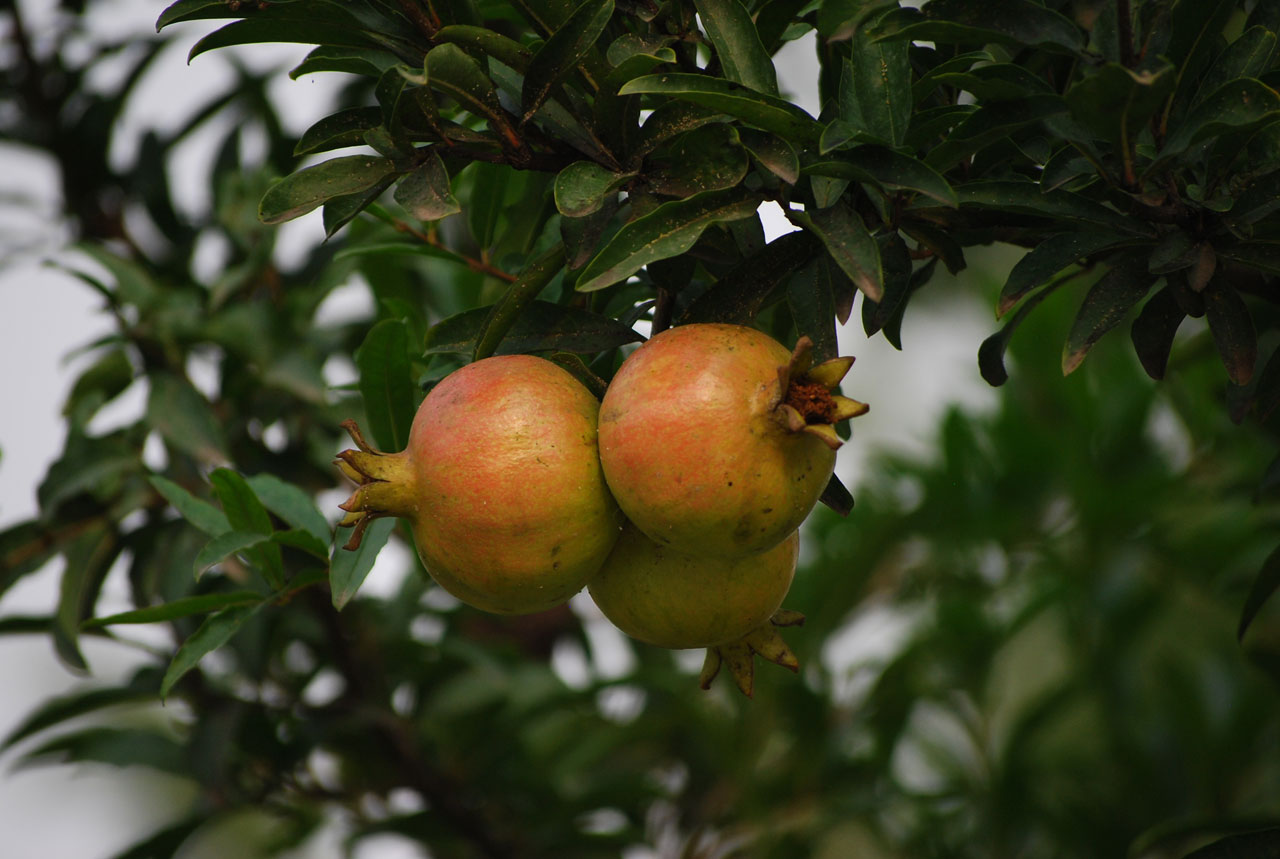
[(693, 450), (501, 484), (671, 599)]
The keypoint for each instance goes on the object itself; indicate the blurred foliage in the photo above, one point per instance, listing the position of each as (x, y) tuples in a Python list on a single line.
[(1027, 643)]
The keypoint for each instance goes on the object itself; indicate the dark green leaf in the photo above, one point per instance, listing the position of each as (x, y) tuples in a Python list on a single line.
[(425, 193), (1249, 56), (291, 504), (348, 568), (991, 352), (299, 193), (451, 71), (1047, 259), (562, 52), (879, 76), (1154, 329), (24, 548), (670, 119), (1175, 251), (1240, 104), (224, 545), (98, 385), (121, 747), (368, 62), (163, 844), (503, 315), (850, 244), (583, 187), (185, 419), (895, 264), (506, 51), (340, 211), (304, 541), (387, 384), (1026, 198), (772, 152), (1250, 845), (184, 607), (709, 158), (889, 170), (992, 123), (742, 56), (344, 128), (1232, 329), (755, 108), (811, 298), (1115, 103), (216, 631), (540, 327), (1106, 304), (1018, 22), (667, 231), (739, 295), (200, 513), (55, 711), (89, 557), (245, 513)]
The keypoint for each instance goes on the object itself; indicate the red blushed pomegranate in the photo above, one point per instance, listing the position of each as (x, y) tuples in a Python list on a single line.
[(717, 441), (501, 484)]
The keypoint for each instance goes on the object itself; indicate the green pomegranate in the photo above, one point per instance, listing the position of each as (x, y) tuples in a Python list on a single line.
[(715, 440), (501, 484)]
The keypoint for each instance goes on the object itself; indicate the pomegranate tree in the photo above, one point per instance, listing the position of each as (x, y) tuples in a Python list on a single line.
[(715, 440), (501, 485)]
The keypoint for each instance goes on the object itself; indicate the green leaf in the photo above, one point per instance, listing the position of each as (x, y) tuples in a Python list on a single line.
[(991, 123), (738, 296), (386, 383), (299, 193), (451, 71), (184, 607), (751, 106), (348, 568), (1232, 330), (562, 52), (772, 153), (1016, 22), (541, 327), (1249, 56), (164, 843), (368, 62), (667, 231), (1026, 198), (879, 75), (837, 497), (59, 709), (503, 315), (889, 170), (97, 385), (24, 548), (291, 504), (1154, 329), (304, 541), (1048, 258), (340, 211), (812, 302), (1115, 103), (425, 193), (1240, 104), (742, 56), (583, 187), (1264, 844), (89, 558), (895, 264), (246, 513), (709, 158), (991, 352), (121, 747), (216, 631), (223, 546), (506, 51), (669, 119), (1105, 305), (850, 244), (198, 512), (184, 418), (344, 128)]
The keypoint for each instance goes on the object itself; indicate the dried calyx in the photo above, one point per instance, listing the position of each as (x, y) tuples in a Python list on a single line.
[(384, 484), (806, 399), (739, 656)]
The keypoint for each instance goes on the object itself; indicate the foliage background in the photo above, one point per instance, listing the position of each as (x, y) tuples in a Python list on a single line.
[(1051, 591)]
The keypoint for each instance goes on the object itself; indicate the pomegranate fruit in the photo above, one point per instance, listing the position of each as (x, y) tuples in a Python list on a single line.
[(727, 605), (501, 484), (717, 441)]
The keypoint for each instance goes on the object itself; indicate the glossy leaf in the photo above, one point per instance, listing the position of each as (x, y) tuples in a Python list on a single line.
[(837, 497), (1236, 105), (348, 568), (772, 152), (1115, 102), (216, 631), (386, 383), (425, 193), (667, 231), (811, 299), (245, 513), (738, 296), (850, 244), (290, 503), (889, 170), (184, 607), (1232, 330), (751, 106), (1105, 305), (344, 128), (506, 51), (1048, 258), (879, 79), (540, 327), (562, 52), (198, 512), (1026, 198), (451, 71), (709, 158), (503, 315), (742, 56), (583, 188), (1017, 22), (299, 193), (224, 546), (1154, 329)]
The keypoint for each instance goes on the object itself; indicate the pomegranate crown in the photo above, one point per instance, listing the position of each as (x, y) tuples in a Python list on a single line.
[(807, 401), (382, 484)]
